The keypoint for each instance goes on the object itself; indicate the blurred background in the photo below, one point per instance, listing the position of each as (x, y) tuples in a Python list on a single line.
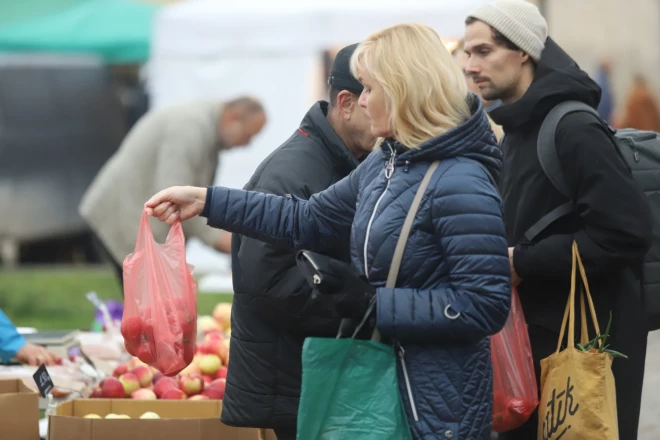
[(75, 75)]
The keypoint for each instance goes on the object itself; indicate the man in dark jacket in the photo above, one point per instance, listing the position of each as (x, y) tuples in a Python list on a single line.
[(512, 59), (270, 314)]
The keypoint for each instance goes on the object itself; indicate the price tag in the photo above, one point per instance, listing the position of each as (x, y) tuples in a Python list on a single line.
[(43, 381)]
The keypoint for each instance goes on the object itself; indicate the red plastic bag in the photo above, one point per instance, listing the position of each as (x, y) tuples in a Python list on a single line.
[(515, 393), (159, 323)]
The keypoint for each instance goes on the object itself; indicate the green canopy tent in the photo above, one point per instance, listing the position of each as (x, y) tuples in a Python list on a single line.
[(119, 31), (14, 11)]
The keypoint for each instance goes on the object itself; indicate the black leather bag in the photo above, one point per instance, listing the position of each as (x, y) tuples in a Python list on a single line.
[(329, 277)]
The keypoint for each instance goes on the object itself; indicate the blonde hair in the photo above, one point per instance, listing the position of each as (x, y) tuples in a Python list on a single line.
[(425, 91)]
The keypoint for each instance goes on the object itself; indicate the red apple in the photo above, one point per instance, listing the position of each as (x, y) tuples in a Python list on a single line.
[(198, 397), (214, 393), (189, 351), (188, 323), (157, 376), (143, 374), (119, 370), (210, 363), (207, 379), (112, 388), (221, 373), (191, 385), (144, 394), (97, 393), (213, 346), (146, 353), (222, 315), (173, 394), (191, 369), (130, 383), (164, 384), (131, 329), (224, 356), (207, 324), (213, 336), (170, 362), (134, 362), (219, 383)]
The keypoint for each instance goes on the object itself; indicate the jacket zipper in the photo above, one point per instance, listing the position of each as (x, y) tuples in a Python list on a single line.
[(413, 407), (389, 170)]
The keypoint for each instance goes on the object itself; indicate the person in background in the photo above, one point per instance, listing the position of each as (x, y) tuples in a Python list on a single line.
[(454, 285), (512, 58), (270, 313), (606, 104), (461, 59), (176, 145), (14, 346), (641, 110)]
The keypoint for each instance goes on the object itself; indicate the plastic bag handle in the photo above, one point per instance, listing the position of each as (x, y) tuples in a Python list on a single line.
[(146, 235)]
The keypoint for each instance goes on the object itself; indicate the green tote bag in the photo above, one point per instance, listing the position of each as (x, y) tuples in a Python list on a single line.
[(350, 387)]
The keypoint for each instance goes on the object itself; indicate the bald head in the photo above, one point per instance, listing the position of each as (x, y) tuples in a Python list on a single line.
[(242, 119), (245, 104)]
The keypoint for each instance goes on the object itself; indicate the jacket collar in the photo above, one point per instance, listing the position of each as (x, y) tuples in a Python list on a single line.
[(473, 139), (315, 125)]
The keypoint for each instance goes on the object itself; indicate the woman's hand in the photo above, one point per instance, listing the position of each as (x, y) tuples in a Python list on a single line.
[(32, 354), (176, 203)]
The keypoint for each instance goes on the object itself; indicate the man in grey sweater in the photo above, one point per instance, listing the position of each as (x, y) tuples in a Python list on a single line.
[(177, 145)]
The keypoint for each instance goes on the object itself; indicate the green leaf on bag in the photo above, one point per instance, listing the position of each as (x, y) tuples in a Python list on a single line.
[(615, 354), (602, 346)]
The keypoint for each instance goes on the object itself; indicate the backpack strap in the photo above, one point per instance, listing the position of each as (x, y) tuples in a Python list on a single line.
[(549, 159)]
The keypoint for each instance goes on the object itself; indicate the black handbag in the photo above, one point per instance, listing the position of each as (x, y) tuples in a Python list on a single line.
[(328, 277), (325, 274)]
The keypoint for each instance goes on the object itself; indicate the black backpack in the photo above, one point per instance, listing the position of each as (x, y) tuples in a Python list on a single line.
[(640, 150)]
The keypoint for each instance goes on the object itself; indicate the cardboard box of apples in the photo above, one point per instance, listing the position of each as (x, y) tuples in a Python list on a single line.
[(204, 378), (139, 402), (127, 419)]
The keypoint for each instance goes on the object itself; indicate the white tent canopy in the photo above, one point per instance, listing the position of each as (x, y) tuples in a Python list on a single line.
[(271, 50), (209, 28)]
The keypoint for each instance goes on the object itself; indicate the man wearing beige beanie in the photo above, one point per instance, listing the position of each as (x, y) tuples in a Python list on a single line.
[(511, 57)]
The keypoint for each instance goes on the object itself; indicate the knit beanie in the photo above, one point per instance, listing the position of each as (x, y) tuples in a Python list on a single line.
[(519, 21)]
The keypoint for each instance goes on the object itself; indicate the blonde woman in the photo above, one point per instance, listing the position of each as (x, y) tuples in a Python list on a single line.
[(454, 285)]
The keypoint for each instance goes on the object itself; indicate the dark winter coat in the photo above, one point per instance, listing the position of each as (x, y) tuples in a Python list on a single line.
[(611, 224), (270, 316)]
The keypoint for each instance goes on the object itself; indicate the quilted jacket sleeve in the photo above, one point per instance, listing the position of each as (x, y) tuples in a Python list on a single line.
[(474, 300), (286, 221), (10, 340)]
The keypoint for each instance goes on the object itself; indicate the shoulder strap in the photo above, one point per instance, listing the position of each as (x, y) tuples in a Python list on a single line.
[(405, 232), (407, 224), (546, 146), (546, 150)]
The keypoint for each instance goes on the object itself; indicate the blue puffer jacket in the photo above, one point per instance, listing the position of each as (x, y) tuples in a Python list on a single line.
[(454, 286)]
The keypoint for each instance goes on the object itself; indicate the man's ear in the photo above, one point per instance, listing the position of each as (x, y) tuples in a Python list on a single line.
[(346, 102), (524, 57)]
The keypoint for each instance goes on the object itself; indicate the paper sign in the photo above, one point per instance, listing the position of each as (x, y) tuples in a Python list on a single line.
[(43, 381)]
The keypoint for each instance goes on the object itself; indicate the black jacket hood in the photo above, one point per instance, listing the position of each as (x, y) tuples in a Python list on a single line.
[(558, 78)]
